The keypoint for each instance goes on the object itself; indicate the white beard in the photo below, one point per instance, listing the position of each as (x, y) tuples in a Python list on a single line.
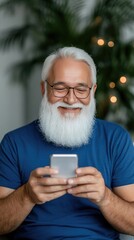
[(68, 130)]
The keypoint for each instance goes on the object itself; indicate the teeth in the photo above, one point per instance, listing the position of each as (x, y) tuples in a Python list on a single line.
[(70, 107)]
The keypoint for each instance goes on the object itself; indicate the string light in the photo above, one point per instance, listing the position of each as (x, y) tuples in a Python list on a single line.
[(111, 44), (100, 42), (112, 85), (113, 99), (123, 79)]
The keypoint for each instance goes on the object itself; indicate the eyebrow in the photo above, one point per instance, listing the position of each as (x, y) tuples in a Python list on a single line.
[(79, 84)]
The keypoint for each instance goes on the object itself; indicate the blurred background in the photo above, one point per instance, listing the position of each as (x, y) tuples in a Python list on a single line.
[(32, 29)]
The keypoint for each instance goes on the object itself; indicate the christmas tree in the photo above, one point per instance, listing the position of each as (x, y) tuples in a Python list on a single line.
[(51, 24)]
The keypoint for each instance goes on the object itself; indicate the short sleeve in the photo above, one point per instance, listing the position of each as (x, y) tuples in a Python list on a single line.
[(123, 157), (9, 168)]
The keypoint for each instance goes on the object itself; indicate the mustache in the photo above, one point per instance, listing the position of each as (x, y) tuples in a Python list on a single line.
[(65, 105)]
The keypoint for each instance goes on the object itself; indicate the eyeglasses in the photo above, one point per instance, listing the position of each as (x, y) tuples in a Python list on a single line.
[(60, 90)]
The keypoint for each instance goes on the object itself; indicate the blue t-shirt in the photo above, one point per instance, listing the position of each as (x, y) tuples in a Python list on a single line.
[(110, 150)]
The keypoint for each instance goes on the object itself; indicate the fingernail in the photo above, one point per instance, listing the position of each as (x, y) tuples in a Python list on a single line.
[(65, 180), (70, 181), (78, 170)]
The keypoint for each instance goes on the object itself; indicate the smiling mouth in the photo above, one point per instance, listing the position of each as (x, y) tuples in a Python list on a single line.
[(69, 109)]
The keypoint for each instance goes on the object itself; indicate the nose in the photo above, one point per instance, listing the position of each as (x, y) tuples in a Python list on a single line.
[(70, 98)]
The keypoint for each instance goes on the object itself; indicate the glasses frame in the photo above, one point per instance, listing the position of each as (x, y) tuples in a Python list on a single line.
[(69, 90)]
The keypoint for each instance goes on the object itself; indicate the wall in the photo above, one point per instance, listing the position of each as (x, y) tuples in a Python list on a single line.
[(11, 95)]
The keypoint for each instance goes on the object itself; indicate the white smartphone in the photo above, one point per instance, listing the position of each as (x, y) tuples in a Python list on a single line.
[(65, 163)]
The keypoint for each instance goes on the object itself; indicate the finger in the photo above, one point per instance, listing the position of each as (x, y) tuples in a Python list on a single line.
[(52, 196), (90, 179), (93, 196), (48, 181), (50, 189), (41, 172), (87, 171), (42, 198), (82, 189)]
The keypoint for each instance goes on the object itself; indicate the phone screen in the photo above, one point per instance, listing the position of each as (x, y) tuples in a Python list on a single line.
[(65, 163)]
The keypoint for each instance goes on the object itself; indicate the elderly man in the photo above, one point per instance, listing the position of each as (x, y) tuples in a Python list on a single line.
[(97, 203)]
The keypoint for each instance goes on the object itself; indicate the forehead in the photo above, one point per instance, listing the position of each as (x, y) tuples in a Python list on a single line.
[(70, 70)]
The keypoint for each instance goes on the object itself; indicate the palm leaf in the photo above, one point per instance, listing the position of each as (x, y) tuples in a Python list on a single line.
[(15, 36)]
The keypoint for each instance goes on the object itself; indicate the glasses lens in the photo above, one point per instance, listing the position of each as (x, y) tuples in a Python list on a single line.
[(81, 92), (60, 90)]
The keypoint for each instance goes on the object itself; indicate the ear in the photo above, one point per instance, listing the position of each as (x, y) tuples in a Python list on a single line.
[(94, 88), (42, 87)]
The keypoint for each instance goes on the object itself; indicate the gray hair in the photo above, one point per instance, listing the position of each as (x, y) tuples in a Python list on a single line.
[(73, 52)]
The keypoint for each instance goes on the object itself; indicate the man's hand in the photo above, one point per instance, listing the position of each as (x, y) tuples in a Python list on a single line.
[(41, 188), (89, 183)]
